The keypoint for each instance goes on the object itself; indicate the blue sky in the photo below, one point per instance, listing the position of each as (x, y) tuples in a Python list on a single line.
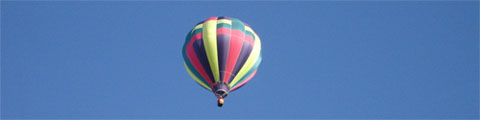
[(322, 59)]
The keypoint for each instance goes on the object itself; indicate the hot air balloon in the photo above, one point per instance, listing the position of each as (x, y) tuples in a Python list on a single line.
[(222, 54)]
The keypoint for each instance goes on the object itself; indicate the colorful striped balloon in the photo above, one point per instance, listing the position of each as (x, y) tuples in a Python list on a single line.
[(222, 54)]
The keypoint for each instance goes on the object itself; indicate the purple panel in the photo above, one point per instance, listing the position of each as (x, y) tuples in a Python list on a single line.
[(223, 44)]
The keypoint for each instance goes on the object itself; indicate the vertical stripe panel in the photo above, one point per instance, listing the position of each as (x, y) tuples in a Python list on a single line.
[(223, 42), (210, 42), (234, 50)]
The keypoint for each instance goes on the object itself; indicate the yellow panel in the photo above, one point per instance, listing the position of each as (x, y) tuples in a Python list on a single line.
[(209, 32)]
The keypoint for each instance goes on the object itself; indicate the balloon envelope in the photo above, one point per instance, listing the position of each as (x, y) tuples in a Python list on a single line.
[(222, 54)]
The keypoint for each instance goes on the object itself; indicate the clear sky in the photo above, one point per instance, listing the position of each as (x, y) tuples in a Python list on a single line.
[(320, 60)]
